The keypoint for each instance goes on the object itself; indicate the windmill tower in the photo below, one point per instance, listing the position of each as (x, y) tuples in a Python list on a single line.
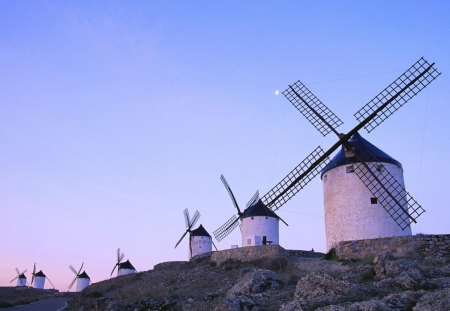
[(123, 268), (376, 171), (259, 224), (21, 278), (38, 278), (199, 239), (82, 279)]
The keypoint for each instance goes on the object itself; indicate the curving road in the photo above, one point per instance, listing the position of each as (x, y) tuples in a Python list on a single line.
[(54, 304)]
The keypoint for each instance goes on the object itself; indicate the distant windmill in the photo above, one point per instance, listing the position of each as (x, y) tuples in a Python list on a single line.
[(123, 268), (21, 278), (380, 178), (38, 278), (259, 224), (82, 279), (199, 239)]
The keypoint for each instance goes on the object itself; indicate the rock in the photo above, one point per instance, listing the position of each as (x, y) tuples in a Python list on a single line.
[(257, 281), (403, 301), (240, 303), (295, 305), (316, 285), (436, 301), (370, 305)]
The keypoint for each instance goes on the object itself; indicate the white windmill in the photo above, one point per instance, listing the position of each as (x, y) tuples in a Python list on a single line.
[(259, 224), (38, 279), (199, 239), (123, 268), (21, 278), (82, 279)]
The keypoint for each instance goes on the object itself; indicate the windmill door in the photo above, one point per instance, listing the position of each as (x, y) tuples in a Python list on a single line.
[(258, 240)]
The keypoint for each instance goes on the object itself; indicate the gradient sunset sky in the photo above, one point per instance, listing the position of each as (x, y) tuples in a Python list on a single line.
[(117, 115)]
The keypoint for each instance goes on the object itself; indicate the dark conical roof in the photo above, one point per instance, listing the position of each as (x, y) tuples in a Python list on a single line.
[(258, 209), (126, 265), (200, 231), (22, 276), (40, 273), (84, 276), (362, 146)]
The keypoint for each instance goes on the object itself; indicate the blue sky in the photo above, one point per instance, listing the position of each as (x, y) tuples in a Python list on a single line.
[(116, 116)]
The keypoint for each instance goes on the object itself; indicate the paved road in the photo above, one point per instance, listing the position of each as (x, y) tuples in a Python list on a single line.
[(43, 305)]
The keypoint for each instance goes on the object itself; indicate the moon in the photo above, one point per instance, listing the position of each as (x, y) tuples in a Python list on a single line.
[(277, 92)]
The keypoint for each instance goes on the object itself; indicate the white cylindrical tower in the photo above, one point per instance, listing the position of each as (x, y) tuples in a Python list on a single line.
[(83, 281), (260, 225), (21, 280), (200, 242), (39, 280), (126, 268), (351, 210)]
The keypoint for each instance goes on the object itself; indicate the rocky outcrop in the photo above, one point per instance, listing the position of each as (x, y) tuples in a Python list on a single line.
[(277, 279)]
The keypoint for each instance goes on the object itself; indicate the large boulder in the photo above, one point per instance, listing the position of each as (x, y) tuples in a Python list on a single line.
[(315, 285), (257, 281), (436, 301)]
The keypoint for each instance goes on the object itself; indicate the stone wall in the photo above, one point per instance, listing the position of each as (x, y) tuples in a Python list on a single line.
[(406, 246), (249, 253)]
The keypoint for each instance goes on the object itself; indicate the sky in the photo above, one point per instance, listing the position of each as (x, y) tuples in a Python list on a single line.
[(116, 116)]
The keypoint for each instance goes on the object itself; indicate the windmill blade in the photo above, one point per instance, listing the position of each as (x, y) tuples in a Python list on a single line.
[(116, 265), (398, 93), (253, 199), (33, 274), (186, 217), (24, 271), (283, 221), (79, 271), (73, 282), (118, 254), (194, 219), (225, 183), (14, 279), (391, 195), (121, 257), (182, 237), (319, 115), (226, 228), (73, 269), (214, 245), (17, 270), (50, 282), (296, 180)]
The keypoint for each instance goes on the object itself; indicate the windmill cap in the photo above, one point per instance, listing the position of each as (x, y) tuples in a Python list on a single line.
[(258, 209), (126, 265), (363, 146), (200, 231), (40, 273), (84, 275), (22, 276)]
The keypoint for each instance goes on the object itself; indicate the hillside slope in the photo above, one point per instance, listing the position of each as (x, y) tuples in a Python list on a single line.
[(286, 282)]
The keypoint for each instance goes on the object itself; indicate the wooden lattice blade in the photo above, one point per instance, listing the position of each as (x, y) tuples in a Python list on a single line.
[(398, 93), (224, 230), (296, 180), (319, 115)]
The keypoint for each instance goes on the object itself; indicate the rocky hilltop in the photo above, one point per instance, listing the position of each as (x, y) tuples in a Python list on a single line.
[(381, 274)]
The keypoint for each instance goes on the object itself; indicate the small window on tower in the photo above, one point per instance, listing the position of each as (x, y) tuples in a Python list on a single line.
[(373, 200), (325, 178), (249, 241), (380, 167), (350, 169)]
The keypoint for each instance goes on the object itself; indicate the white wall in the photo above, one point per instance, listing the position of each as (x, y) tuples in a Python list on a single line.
[(39, 282), (82, 284), (349, 214), (126, 271), (254, 228), (200, 245)]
